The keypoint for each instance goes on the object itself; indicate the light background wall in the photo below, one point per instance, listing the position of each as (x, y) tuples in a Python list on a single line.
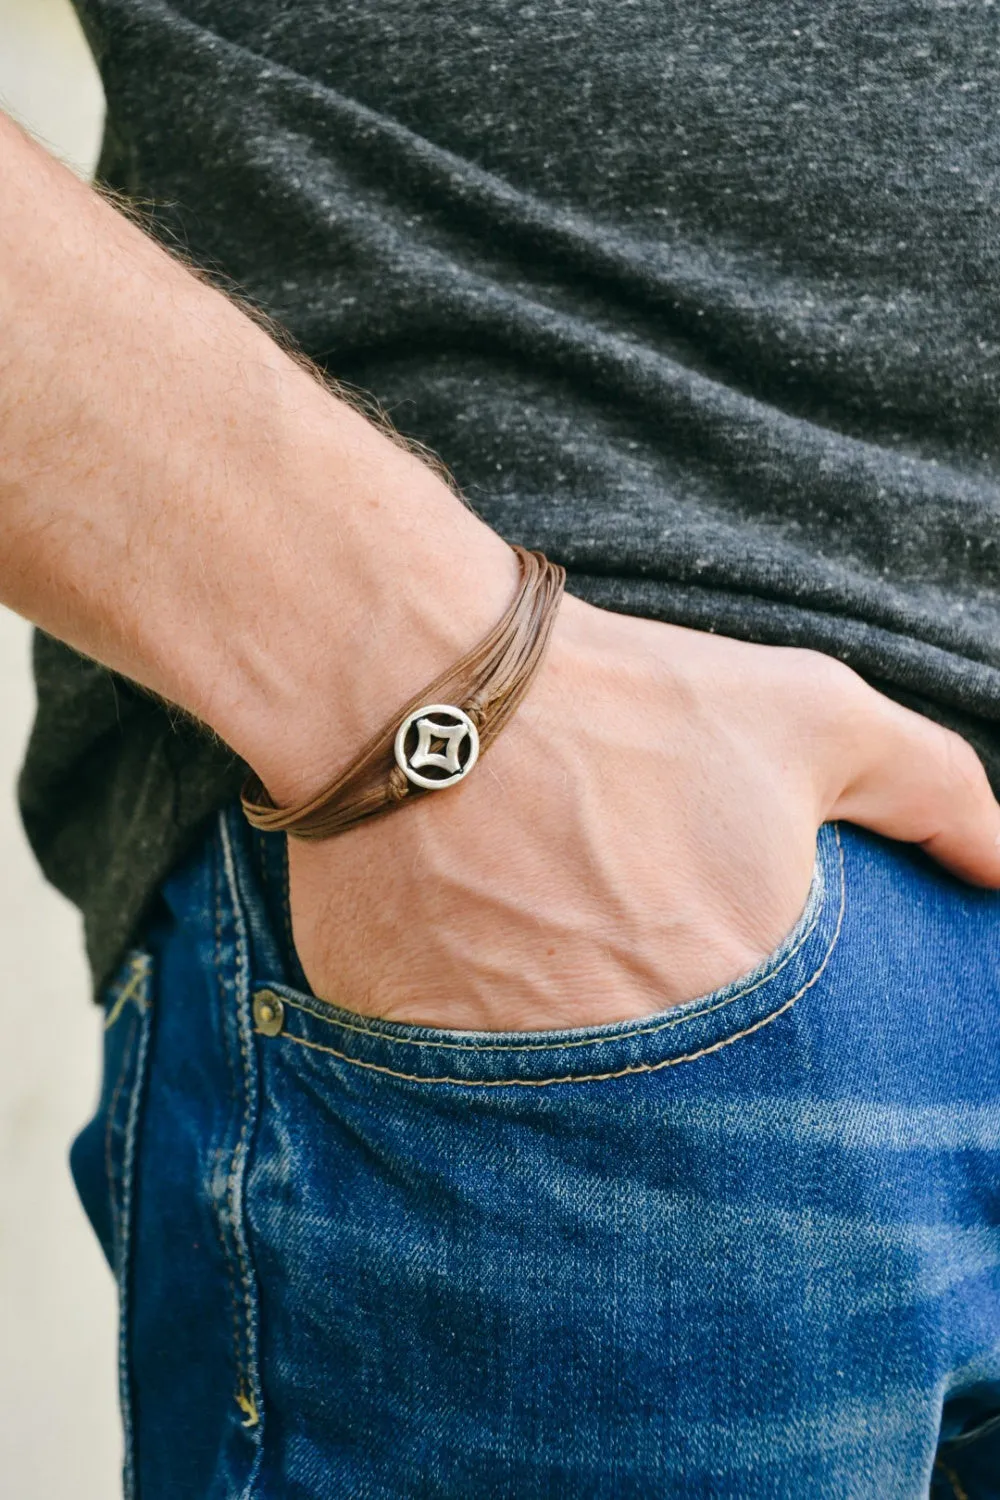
[(59, 1432)]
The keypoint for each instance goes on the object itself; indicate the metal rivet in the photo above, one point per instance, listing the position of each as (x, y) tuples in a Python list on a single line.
[(268, 1012)]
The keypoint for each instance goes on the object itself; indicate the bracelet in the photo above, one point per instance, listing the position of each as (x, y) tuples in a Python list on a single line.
[(438, 737)]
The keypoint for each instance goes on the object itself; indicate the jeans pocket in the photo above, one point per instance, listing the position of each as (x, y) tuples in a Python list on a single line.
[(298, 1021), (563, 1264), (481, 1256)]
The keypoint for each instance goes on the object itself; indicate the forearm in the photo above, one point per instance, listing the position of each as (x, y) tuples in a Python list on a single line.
[(186, 504)]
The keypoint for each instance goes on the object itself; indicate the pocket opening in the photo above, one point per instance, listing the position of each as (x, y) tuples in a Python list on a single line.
[(684, 1033)]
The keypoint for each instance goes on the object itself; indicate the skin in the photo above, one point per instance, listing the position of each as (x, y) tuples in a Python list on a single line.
[(185, 503)]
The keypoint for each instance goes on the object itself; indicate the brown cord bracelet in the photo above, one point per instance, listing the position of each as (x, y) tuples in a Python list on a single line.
[(437, 738)]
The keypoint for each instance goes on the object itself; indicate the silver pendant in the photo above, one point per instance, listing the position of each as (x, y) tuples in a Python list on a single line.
[(436, 746)]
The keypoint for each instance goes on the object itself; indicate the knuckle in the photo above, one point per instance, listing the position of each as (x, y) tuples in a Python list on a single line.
[(828, 669), (961, 766), (829, 683)]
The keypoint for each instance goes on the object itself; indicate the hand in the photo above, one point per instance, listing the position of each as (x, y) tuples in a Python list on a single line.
[(643, 832)]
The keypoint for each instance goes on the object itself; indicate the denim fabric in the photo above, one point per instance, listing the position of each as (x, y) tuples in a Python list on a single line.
[(746, 1248)]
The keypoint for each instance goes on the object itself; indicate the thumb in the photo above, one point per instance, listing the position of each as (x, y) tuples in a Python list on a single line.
[(913, 780)]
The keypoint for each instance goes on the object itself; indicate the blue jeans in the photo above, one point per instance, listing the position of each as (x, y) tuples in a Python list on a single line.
[(746, 1248)]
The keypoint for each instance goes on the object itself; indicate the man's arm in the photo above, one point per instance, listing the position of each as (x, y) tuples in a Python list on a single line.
[(184, 503)]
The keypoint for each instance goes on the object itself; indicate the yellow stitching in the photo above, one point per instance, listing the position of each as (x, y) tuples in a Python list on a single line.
[(222, 1211), (123, 1266), (248, 1405), (588, 1041), (128, 1053), (956, 1488), (244, 1396), (140, 968), (633, 1068)]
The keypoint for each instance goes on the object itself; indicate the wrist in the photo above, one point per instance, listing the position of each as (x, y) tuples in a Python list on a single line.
[(190, 507), (367, 577)]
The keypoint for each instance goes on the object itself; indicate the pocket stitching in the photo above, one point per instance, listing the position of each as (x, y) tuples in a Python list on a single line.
[(221, 1202), (632, 1068), (123, 1269), (132, 989), (128, 1057), (230, 1219), (588, 1041), (958, 1493)]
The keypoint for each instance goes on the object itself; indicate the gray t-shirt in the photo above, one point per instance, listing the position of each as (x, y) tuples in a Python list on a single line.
[(703, 299)]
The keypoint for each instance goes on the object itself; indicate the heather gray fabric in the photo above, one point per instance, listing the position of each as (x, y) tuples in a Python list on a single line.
[(700, 298)]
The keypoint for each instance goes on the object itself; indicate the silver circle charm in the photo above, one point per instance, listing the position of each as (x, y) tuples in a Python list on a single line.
[(436, 746)]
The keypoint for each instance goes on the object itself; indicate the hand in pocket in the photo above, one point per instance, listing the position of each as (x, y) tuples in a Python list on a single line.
[(642, 833)]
